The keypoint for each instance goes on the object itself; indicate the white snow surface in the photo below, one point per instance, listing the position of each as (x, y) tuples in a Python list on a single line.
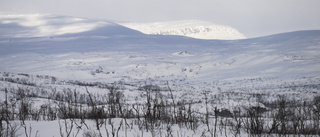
[(102, 51), (190, 28), (75, 48), (35, 47), (47, 25)]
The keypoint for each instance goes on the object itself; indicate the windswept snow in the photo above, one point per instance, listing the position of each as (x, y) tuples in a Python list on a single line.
[(126, 54), (189, 28), (107, 52), (50, 53), (42, 25)]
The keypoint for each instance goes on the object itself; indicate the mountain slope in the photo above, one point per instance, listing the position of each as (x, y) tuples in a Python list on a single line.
[(189, 28), (233, 73), (37, 25), (128, 55), (50, 64)]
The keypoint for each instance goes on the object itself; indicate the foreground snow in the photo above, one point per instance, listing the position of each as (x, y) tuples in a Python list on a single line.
[(118, 127)]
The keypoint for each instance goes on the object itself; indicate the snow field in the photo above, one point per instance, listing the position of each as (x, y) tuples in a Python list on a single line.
[(49, 55)]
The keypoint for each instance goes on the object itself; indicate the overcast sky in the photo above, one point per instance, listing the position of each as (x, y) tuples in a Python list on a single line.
[(253, 18)]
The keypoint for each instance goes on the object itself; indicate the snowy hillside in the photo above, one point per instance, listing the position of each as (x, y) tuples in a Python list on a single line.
[(189, 28), (69, 47), (73, 48), (51, 56), (89, 50), (42, 25)]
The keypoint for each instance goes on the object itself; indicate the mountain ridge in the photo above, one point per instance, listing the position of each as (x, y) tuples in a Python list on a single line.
[(190, 28), (132, 55)]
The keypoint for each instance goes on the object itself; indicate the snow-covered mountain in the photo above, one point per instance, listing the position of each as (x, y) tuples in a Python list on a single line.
[(46, 25), (51, 56), (189, 28), (69, 48), (74, 47)]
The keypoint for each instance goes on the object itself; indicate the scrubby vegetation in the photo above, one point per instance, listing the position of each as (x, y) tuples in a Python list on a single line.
[(158, 112)]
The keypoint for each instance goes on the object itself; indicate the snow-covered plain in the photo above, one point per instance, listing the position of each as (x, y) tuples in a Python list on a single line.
[(53, 51)]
